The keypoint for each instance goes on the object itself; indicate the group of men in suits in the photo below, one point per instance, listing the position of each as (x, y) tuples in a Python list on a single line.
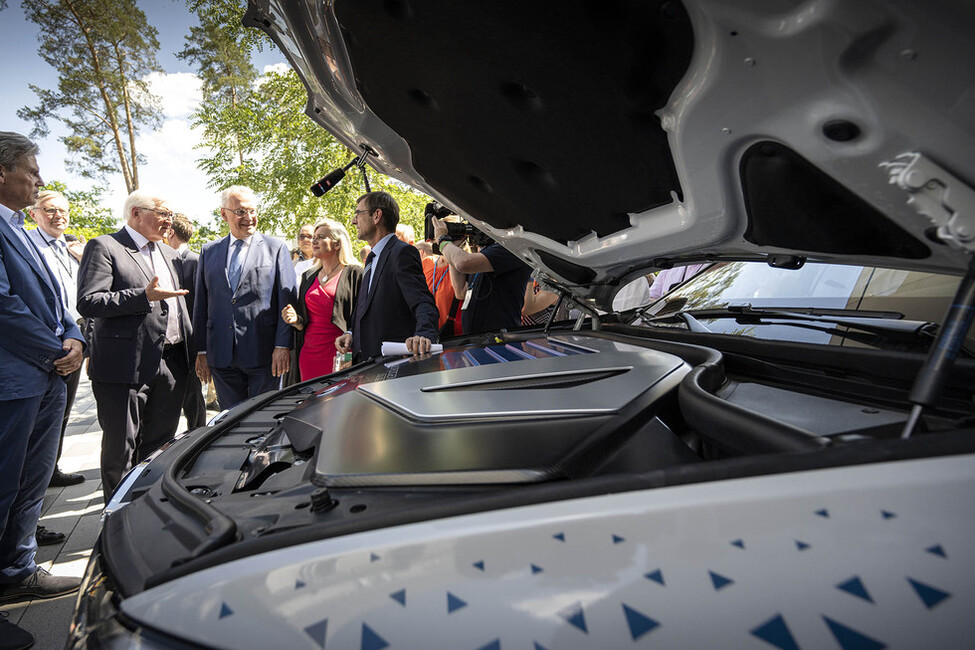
[(156, 320)]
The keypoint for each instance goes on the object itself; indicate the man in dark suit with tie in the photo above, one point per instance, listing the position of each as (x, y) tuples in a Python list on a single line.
[(40, 345), (394, 302), (51, 213), (243, 282), (186, 262), (139, 359)]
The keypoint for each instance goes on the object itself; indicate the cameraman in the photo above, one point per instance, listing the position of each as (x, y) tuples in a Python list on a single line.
[(491, 283)]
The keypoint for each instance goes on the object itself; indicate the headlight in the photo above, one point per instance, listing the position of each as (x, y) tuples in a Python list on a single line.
[(96, 622)]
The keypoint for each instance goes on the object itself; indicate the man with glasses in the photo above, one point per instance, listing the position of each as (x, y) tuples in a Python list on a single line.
[(51, 213), (394, 303), (243, 282), (128, 285)]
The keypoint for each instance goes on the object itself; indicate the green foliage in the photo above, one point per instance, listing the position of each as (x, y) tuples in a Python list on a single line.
[(89, 218), (283, 153), (103, 51)]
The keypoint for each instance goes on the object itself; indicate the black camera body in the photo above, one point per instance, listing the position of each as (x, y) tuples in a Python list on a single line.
[(456, 231)]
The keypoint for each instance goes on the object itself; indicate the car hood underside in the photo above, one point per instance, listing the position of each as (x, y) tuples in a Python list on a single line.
[(601, 140)]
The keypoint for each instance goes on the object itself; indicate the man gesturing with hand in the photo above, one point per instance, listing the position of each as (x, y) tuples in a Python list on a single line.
[(139, 361)]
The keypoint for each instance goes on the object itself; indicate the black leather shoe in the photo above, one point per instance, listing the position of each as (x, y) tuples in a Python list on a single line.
[(60, 479), (39, 584), (47, 537), (13, 637)]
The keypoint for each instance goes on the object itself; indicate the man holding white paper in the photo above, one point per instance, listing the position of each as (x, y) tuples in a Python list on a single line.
[(394, 303)]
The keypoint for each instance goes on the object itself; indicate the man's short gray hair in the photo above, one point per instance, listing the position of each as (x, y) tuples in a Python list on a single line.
[(13, 148), (139, 199), (44, 195), (240, 191)]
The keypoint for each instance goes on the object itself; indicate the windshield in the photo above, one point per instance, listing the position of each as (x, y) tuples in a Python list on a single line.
[(914, 295)]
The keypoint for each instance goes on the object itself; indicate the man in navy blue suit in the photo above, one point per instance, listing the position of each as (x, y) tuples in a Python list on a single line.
[(40, 345), (243, 282), (394, 301)]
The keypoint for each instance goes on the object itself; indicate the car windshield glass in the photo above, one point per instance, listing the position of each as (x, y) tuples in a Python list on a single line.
[(880, 292)]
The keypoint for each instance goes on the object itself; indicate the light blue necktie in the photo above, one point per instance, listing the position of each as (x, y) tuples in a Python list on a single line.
[(233, 273)]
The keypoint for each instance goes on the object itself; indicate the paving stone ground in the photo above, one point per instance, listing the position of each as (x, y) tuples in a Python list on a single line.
[(74, 511)]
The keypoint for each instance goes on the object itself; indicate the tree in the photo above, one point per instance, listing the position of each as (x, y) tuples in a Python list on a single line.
[(104, 51)]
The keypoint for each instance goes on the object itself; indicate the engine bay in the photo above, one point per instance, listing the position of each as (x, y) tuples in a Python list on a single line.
[(498, 423)]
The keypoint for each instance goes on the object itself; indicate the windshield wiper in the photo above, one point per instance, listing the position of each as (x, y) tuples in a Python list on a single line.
[(889, 325)]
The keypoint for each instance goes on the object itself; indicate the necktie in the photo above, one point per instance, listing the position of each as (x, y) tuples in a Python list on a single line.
[(367, 273), (233, 272), (61, 250), (151, 246)]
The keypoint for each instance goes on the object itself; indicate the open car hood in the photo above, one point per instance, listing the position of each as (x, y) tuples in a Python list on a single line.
[(601, 140)]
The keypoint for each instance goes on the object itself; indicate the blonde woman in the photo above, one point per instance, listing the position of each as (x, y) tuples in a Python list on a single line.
[(327, 293)]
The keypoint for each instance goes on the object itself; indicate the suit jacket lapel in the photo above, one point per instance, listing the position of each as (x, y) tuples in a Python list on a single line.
[(377, 269), (43, 272), (125, 239)]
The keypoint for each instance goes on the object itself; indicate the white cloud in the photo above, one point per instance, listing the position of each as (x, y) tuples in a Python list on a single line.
[(280, 68), (181, 92)]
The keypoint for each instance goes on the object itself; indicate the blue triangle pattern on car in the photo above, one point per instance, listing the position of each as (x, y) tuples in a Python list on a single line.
[(225, 611), (536, 569), (887, 514), (719, 581), (399, 596), (740, 543), (479, 565), (802, 546), (937, 550), (494, 645), (850, 639), (317, 632), (855, 586), (299, 584), (617, 539), (373, 557), (454, 603), (559, 536), (575, 616), (823, 512), (656, 576), (371, 640), (776, 632), (929, 595), (638, 622)]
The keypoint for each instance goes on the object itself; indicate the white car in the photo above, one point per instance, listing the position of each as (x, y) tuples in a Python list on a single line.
[(605, 483)]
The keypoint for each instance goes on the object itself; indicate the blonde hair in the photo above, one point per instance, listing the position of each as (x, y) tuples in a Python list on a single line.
[(338, 232)]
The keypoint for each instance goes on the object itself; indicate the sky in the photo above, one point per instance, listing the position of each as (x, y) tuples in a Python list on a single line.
[(171, 169)]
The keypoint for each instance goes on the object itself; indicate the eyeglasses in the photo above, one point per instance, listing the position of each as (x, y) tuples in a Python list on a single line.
[(366, 211), (53, 211), (242, 212), (306, 236), (322, 238), (165, 214)]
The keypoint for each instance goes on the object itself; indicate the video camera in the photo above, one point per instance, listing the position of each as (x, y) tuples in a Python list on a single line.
[(456, 230)]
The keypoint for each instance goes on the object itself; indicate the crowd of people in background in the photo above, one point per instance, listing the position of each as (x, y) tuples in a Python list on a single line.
[(157, 324)]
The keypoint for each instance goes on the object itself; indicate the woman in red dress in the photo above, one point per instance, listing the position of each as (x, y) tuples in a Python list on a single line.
[(327, 293)]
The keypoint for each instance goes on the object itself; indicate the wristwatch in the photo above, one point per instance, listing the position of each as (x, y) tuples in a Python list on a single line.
[(444, 239)]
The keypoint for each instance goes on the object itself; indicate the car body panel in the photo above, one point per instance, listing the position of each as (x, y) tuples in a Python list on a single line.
[(872, 550)]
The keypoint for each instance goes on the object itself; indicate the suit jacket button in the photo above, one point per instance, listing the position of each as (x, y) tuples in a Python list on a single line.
[(233, 302)]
